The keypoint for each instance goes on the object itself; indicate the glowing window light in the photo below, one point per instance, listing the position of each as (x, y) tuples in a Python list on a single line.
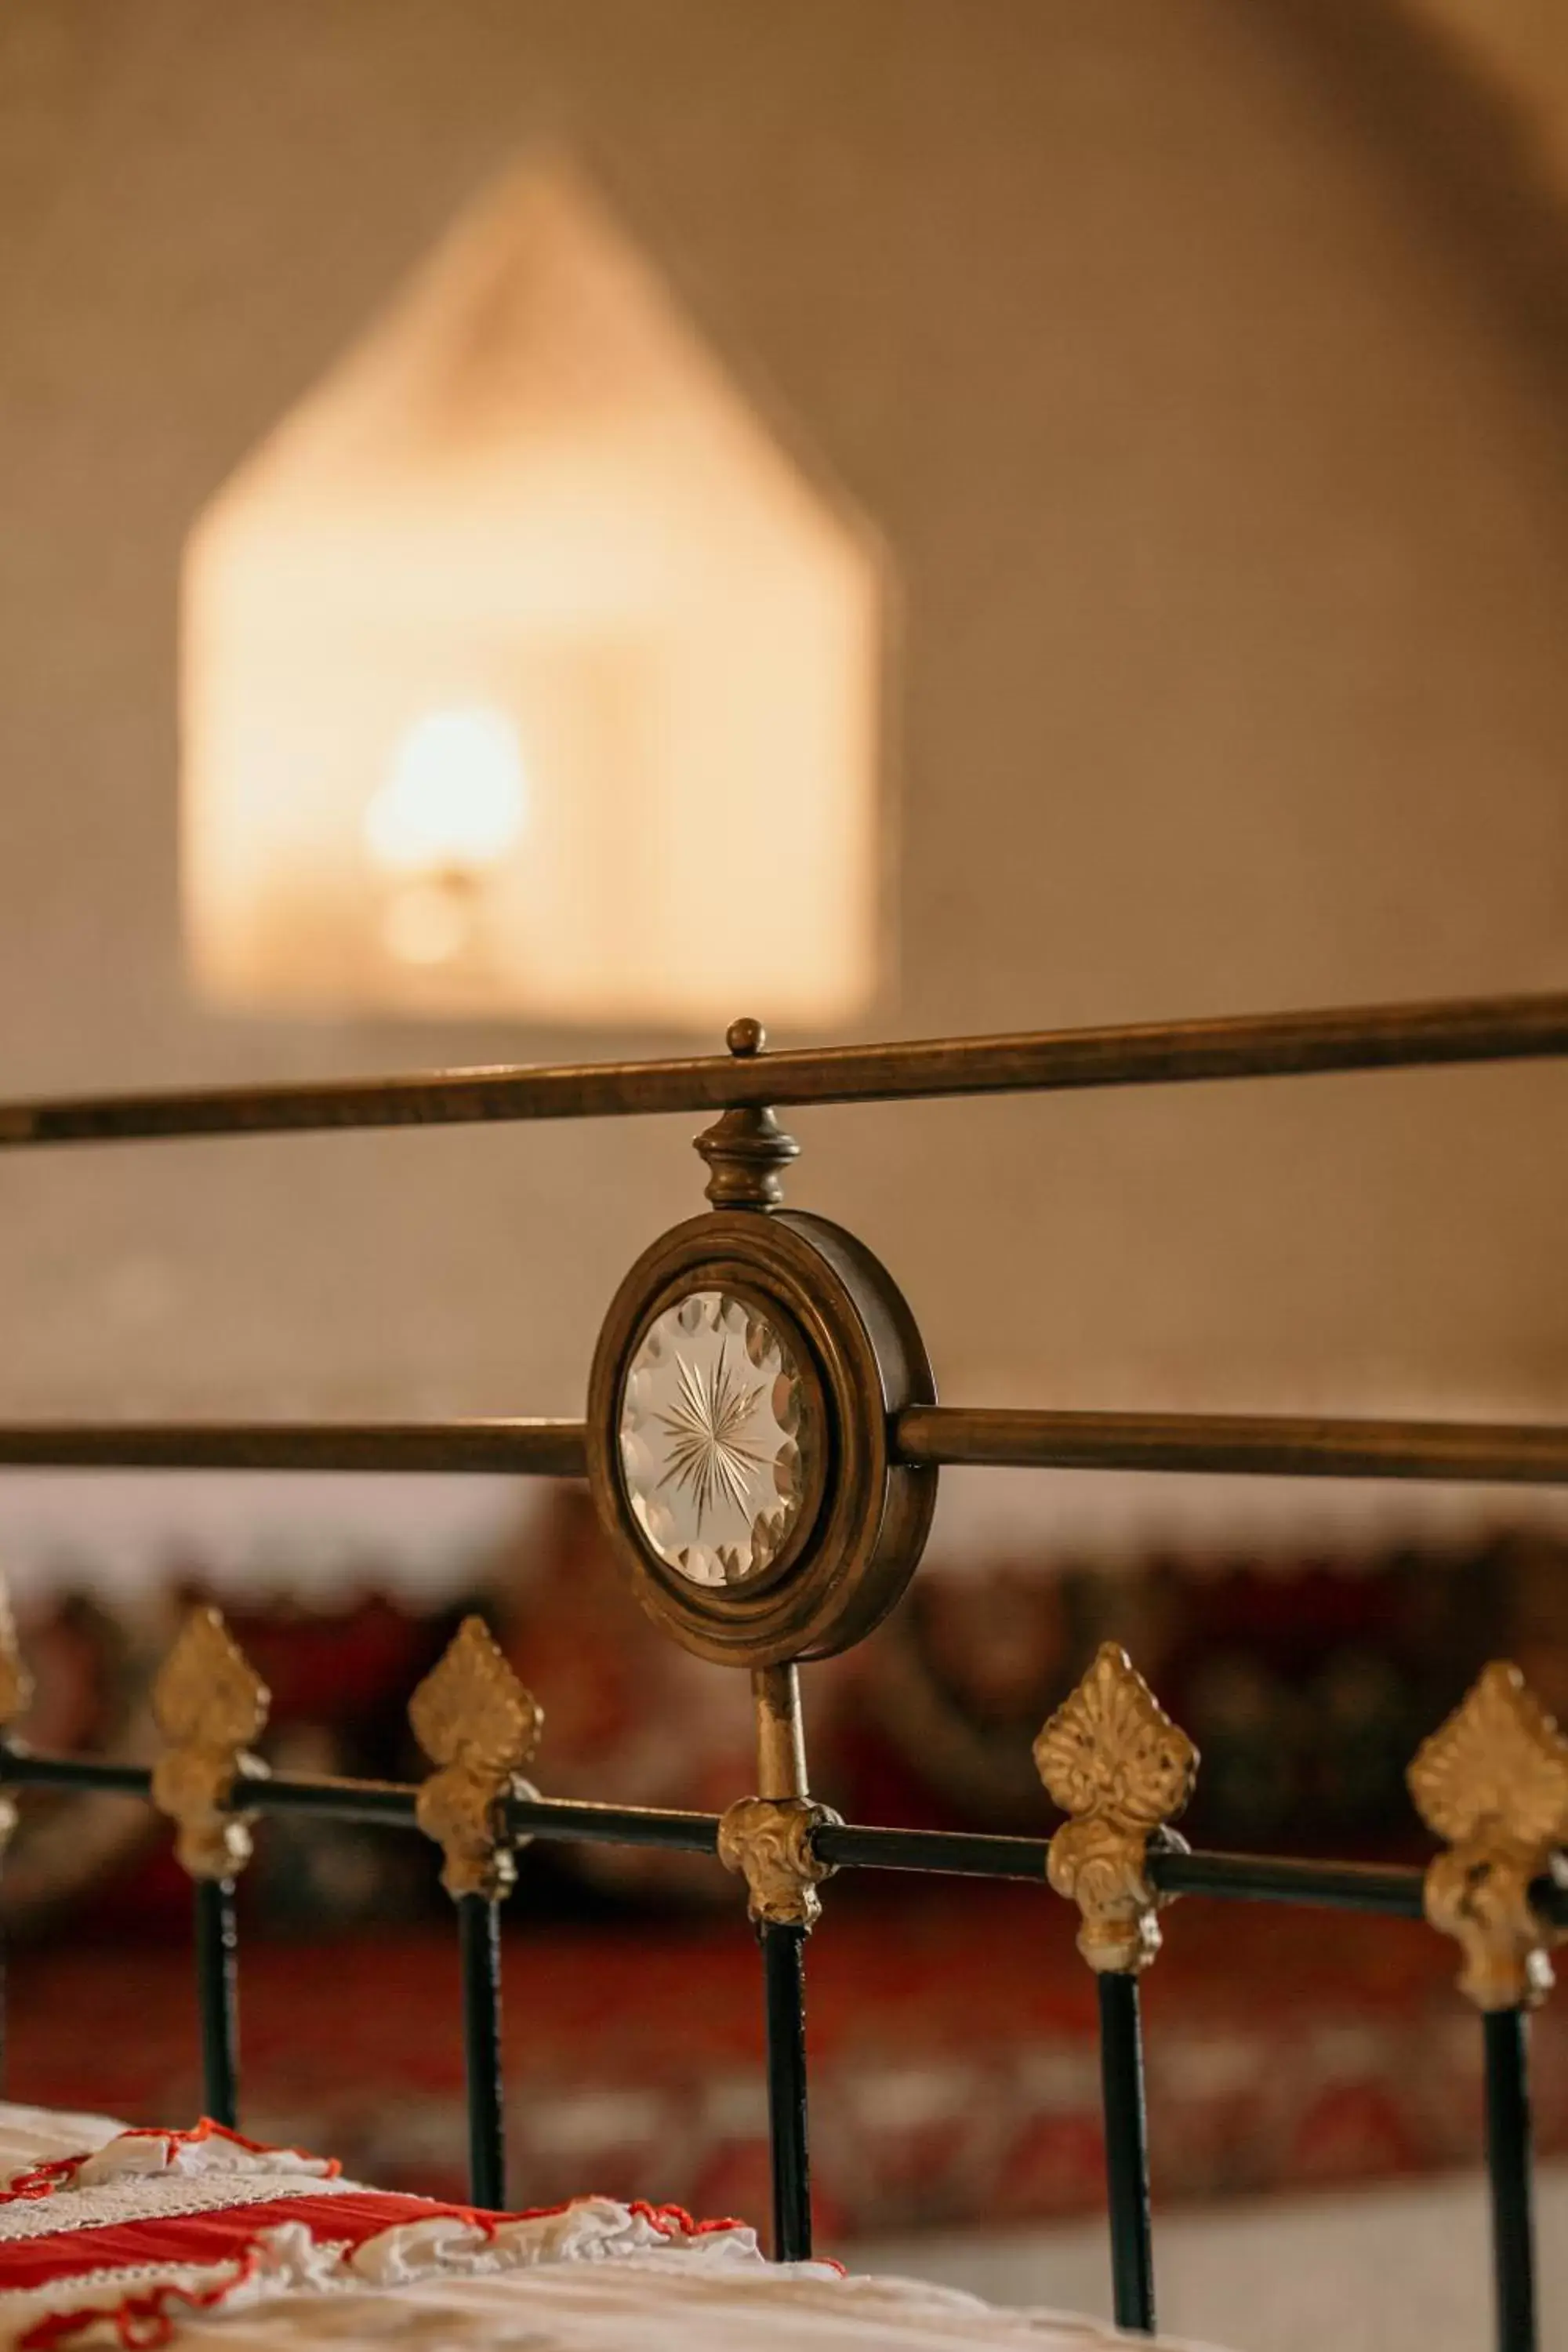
[(455, 798), (449, 535)]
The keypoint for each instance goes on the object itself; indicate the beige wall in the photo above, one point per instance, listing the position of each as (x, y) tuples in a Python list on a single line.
[(1227, 501)]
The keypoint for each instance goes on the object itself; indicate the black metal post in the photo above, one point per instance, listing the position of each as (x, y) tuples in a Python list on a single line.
[(1509, 2166), (217, 1995), (1126, 2153), (784, 1985), (478, 1940)]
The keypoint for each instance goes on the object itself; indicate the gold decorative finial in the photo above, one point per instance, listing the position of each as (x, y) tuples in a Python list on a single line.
[(15, 1681), (1492, 1782), (768, 1838), (1112, 1758), (15, 1698), (768, 1841), (479, 1726), (209, 1703), (746, 1149)]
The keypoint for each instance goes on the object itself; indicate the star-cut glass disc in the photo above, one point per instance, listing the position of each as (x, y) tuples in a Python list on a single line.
[(710, 1438)]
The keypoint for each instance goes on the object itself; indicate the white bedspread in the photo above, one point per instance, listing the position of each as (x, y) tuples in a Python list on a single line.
[(592, 2276), (658, 2304)]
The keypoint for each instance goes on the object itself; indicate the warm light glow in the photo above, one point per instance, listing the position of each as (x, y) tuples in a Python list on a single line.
[(526, 671), (455, 798), (431, 922)]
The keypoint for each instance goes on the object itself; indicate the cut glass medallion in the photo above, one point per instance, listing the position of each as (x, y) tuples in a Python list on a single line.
[(710, 1432)]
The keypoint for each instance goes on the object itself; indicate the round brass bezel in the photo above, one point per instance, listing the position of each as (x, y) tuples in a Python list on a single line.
[(848, 1559)]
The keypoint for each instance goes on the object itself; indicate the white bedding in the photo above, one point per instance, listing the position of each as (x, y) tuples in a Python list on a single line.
[(654, 2303), (256, 2251)]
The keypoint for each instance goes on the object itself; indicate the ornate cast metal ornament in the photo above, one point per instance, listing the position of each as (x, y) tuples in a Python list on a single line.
[(479, 1727), (768, 1841), (1112, 1758), (1492, 1781), (15, 1681), (209, 1703), (15, 1698), (738, 1436), (738, 1419)]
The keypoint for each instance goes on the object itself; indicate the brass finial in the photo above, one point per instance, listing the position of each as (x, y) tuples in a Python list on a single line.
[(16, 1697), (768, 1841), (1112, 1758), (479, 1726), (1492, 1782), (209, 1703), (746, 1149), (15, 1681), (768, 1838)]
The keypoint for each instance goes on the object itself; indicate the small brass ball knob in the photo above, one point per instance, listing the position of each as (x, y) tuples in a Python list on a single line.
[(745, 1037)]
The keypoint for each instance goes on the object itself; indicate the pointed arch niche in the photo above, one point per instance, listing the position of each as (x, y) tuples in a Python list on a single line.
[(524, 671)]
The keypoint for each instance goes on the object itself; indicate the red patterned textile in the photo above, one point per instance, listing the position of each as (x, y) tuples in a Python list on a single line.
[(955, 2073), (152, 2226), (205, 2239)]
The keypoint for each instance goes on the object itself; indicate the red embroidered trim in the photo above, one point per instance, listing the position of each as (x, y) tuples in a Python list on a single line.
[(43, 2180), (145, 2320), (141, 2321), (205, 2240), (669, 2221), (675, 2222)]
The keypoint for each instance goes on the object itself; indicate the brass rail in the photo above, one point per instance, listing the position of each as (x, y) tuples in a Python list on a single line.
[(1521, 1453), (1524, 1454), (537, 1449), (1271, 1046)]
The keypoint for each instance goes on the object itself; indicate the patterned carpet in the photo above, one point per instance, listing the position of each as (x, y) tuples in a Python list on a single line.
[(954, 2074)]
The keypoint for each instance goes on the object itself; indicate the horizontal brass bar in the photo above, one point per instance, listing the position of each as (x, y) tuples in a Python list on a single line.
[(1235, 1444), (373, 1804), (962, 1854), (1276, 1044), (531, 1449), (371, 1801), (1235, 1877), (583, 1822), (1268, 1878), (19, 1767), (1231, 1445)]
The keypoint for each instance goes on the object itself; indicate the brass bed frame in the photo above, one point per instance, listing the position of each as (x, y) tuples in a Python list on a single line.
[(845, 1495)]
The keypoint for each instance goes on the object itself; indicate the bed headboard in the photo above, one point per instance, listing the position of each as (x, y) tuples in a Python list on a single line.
[(762, 1442)]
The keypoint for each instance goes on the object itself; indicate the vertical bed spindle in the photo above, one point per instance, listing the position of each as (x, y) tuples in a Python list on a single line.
[(217, 1998), (1121, 1770), (15, 1698), (1492, 1782), (209, 1703), (478, 1726), (1509, 2169), (1126, 2152), (783, 1983), (478, 1941), (768, 1839)]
